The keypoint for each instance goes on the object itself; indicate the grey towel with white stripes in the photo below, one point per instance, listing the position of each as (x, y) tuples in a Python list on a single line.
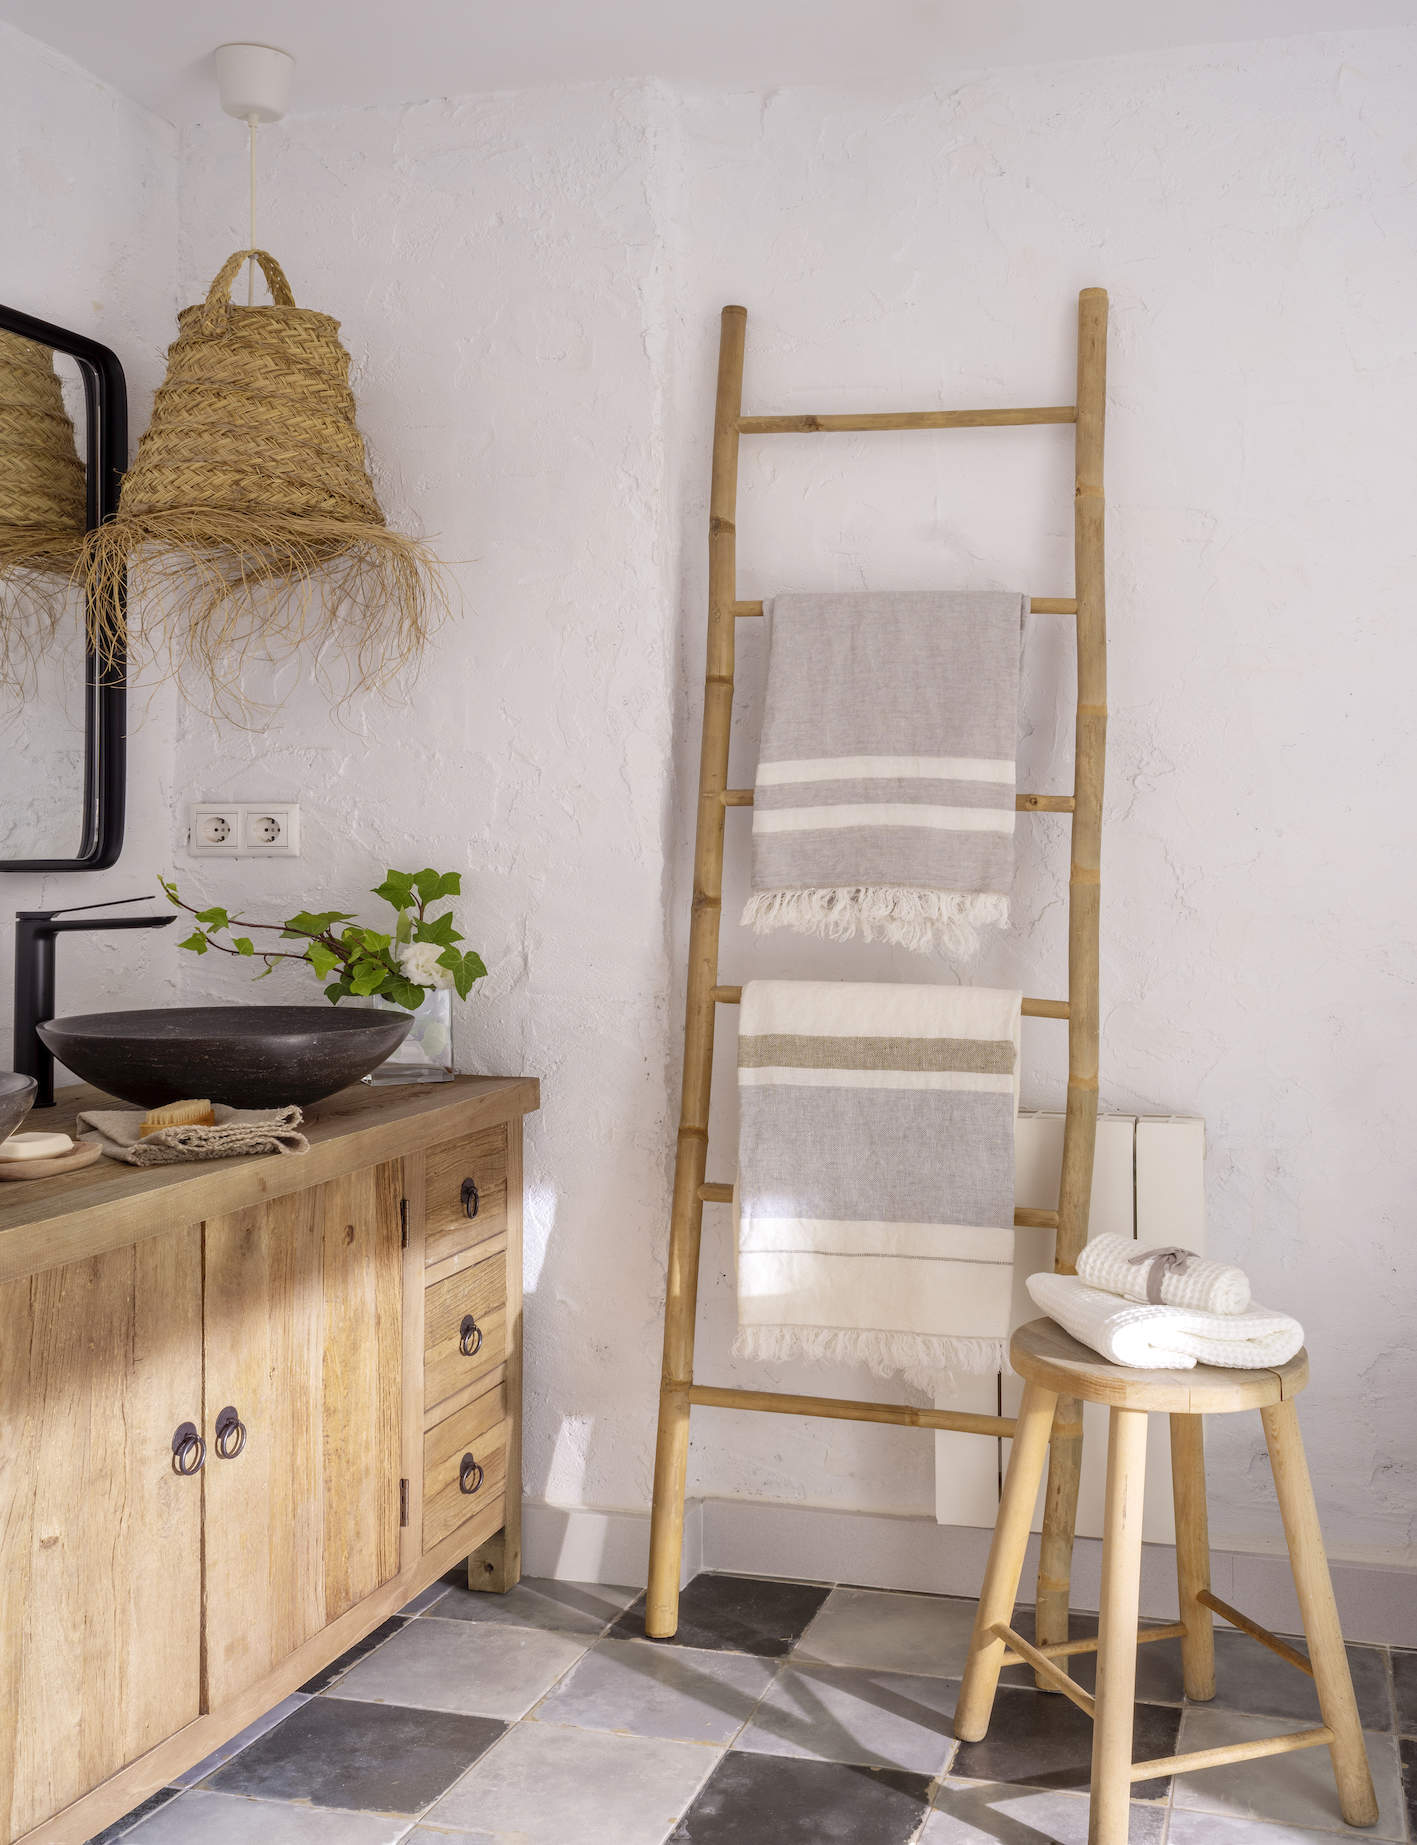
[(876, 1174), (884, 801)]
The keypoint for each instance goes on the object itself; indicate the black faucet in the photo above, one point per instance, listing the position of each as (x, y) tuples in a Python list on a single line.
[(35, 931)]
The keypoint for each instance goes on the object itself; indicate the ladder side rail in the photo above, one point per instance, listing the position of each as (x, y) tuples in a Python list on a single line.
[(1084, 894), (686, 1222)]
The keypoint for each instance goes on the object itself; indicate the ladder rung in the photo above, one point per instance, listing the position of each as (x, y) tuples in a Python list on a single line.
[(1025, 1653), (1023, 803), (836, 1409), (1065, 1649), (711, 1192), (1040, 605), (1032, 1008), (904, 419), (1289, 1654)]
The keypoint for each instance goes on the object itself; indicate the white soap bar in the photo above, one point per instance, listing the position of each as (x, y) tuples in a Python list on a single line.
[(36, 1146)]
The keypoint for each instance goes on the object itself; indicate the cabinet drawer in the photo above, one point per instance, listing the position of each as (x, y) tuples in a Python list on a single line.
[(450, 1496), (468, 1309), (459, 1213)]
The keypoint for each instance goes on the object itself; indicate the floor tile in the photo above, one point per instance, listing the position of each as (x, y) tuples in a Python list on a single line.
[(1039, 1739), (543, 1785), (987, 1813), (1408, 1748), (130, 1819), (201, 1818), (452, 1665), (841, 1714), (337, 1668), (734, 1614), (1291, 1790), (676, 1692), (563, 1607), (433, 1593), (276, 1714), (890, 1633), (1404, 1690), (379, 1758), (772, 1800), (1217, 1829)]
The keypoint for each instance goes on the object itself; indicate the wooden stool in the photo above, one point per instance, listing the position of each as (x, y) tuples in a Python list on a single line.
[(1054, 1365)]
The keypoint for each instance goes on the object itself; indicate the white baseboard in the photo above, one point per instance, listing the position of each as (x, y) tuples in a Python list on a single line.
[(1377, 1603)]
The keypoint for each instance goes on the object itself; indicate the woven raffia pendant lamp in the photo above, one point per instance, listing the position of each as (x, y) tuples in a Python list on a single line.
[(248, 524), (42, 502)]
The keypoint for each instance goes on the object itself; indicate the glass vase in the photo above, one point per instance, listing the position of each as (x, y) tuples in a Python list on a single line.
[(426, 1054)]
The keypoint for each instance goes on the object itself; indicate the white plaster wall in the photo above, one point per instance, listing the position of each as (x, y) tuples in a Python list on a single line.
[(88, 228), (530, 287)]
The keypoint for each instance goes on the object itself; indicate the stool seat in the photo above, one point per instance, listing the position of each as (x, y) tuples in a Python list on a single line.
[(1043, 1353)]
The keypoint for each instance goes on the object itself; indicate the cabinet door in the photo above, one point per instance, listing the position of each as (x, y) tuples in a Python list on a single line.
[(100, 1539), (304, 1340)]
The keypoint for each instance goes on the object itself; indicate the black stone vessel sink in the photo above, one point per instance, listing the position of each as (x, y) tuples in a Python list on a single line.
[(16, 1095), (245, 1056)]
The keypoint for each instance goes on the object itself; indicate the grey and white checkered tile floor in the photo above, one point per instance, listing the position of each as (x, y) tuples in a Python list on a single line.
[(784, 1713)]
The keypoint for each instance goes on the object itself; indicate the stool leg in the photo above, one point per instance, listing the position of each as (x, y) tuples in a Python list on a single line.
[(1192, 1554), (996, 1599), (1117, 1632), (1319, 1611)]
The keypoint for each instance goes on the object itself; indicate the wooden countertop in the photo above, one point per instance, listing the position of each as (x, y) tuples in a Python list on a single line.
[(47, 1222)]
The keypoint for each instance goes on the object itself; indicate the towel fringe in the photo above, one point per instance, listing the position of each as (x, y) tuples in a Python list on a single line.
[(940, 921), (921, 1359)]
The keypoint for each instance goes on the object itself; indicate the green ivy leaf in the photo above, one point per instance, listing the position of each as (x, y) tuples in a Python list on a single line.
[(215, 918), (243, 945), (266, 971), (169, 890), (372, 940), (338, 990), (315, 922), (406, 993), (464, 968), (397, 889), (431, 885), (196, 941), (324, 960), (437, 929), (367, 977)]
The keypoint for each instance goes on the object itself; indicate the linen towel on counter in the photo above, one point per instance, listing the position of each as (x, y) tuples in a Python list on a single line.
[(884, 799), (1166, 1338), (237, 1130), (1171, 1277), (875, 1194)]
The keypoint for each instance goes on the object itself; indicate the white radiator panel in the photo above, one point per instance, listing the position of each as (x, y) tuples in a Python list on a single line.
[(1147, 1183)]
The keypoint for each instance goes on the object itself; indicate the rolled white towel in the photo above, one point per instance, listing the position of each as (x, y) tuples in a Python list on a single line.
[(1171, 1277), (1166, 1338)]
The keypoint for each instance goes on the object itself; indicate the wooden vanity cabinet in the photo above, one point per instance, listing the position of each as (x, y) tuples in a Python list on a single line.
[(248, 1409)]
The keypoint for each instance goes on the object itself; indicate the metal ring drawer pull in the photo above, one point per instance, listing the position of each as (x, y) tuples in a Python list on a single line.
[(230, 1433), (471, 1199), (189, 1451), (470, 1474), (469, 1337)]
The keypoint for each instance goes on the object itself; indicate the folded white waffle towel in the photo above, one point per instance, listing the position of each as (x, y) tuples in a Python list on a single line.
[(1169, 1277), (1166, 1338)]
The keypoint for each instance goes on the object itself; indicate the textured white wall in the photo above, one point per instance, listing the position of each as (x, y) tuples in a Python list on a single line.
[(88, 228), (530, 287)]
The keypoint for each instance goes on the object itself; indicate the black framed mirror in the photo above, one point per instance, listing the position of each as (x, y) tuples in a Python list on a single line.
[(63, 707)]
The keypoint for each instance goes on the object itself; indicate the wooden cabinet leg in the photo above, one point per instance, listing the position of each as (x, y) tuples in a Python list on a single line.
[(1192, 1554), (1117, 1631), (1309, 1562), (996, 1600), (1060, 1515), (496, 1566)]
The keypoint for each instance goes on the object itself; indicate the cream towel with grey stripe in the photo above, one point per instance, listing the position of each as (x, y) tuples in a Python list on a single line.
[(884, 800), (875, 1195)]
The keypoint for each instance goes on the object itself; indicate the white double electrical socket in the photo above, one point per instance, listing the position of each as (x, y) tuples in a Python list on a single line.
[(244, 829)]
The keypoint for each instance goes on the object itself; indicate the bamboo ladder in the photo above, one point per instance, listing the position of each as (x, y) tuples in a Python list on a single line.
[(678, 1391)]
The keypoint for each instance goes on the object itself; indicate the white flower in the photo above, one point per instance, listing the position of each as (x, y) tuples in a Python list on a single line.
[(419, 961)]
